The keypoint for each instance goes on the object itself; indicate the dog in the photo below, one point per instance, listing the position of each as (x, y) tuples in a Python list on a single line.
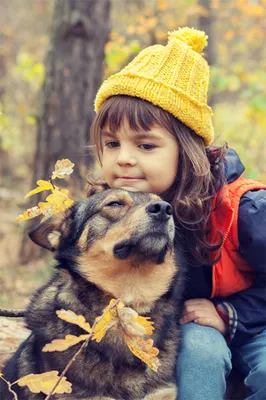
[(115, 244)]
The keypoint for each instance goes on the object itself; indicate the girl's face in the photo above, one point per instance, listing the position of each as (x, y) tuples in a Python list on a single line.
[(144, 161)]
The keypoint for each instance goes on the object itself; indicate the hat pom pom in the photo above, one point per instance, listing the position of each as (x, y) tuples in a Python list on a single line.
[(194, 38)]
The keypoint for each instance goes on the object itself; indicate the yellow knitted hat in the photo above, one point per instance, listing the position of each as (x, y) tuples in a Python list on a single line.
[(174, 77)]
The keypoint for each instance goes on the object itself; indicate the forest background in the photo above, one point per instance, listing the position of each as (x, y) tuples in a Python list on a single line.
[(33, 129)]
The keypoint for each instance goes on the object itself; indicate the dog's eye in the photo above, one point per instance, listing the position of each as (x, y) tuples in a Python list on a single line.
[(115, 204)]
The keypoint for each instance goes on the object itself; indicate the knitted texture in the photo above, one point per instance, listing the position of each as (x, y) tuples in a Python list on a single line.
[(174, 77)]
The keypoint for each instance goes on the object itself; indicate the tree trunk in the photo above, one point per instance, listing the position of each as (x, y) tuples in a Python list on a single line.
[(73, 74), (74, 67), (4, 156), (206, 23)]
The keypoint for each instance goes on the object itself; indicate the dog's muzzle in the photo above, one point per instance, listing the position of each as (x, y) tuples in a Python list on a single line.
[(152, 238), (160, 210)]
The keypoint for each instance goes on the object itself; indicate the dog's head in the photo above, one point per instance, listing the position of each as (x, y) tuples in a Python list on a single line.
[(118, 240)]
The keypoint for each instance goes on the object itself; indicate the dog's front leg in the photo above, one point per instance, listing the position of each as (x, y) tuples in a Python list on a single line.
[(164, 393)]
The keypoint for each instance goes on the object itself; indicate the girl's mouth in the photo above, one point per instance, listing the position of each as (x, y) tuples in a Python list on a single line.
[(128, 178)]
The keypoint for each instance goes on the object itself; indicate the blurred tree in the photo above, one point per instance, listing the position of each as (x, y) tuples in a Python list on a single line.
[(206, 20), (205, 23), (74, 67), (4, 156)]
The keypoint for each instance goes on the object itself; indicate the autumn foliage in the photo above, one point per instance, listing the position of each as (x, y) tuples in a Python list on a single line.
[(126, 322), (57, 201)]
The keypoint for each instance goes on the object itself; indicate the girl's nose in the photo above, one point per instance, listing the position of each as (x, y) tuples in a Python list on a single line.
[(125, 157)]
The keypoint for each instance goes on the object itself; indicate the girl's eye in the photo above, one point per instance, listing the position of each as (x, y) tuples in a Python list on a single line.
[(111, 145), (147, 146), (115, 204)]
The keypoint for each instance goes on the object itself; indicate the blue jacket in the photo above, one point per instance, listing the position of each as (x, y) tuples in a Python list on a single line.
[(246, 309)]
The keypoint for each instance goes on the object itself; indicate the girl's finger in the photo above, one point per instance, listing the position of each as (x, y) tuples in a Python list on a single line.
[(191, 316), (205, 322)]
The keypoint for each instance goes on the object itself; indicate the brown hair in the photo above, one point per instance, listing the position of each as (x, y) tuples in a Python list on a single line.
[(199, 176)]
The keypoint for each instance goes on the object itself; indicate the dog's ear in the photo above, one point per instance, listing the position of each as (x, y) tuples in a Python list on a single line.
[(48, 233)]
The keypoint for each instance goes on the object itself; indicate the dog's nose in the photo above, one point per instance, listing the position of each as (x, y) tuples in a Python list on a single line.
[(160, 209)]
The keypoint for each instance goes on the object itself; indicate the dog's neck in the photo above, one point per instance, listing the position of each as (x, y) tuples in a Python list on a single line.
[(137, 287)]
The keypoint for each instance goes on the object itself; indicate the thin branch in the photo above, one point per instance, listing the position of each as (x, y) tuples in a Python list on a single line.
[(12, 312), (79, 351), (9, 387), (51, 181)]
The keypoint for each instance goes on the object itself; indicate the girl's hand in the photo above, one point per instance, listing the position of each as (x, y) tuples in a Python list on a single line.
[(203, 312)]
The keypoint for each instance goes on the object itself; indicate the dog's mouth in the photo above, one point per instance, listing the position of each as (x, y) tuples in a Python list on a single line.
[(152, 247)]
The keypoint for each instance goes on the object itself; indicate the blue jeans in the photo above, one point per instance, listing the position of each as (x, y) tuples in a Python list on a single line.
[(205, 362)]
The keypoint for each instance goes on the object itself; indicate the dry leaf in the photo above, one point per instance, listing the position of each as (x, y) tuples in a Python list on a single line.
[(144, 351), (127, 318), (62, 168), (47, 210), (109, 320), (64, 344), (45, 382), (29, 213), (57, 201), (133, 328), (146, 323), (43, 185), (72, 318)]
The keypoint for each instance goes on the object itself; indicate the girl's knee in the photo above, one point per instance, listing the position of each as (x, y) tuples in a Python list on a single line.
[(204, 345)]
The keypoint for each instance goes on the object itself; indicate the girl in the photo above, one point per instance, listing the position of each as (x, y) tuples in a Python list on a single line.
[(151, 133)]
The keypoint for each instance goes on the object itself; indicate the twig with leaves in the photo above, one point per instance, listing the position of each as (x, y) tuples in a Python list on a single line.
[(133, 328), (57, 201), (81, 348)]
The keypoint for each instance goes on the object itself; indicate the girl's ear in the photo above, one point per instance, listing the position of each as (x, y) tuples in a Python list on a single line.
[(48, 233), (97, 188), (95, 184)]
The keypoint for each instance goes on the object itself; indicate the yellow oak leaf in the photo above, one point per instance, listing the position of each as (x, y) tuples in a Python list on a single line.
[(62, 168), (45, 382), (64, 191), (47, 210), (108, 321), (72, 318), (134, 324), (29, 213), (102, 326), (144, 350), (42, 185), (59, 200), (64, 344), (68, 203), (57, 196), (146, 323), (127, 318)]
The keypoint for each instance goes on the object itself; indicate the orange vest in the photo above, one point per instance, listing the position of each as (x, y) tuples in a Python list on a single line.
[(231, 273)]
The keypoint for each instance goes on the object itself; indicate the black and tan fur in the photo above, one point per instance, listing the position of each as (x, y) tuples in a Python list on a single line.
[(116, 244)]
